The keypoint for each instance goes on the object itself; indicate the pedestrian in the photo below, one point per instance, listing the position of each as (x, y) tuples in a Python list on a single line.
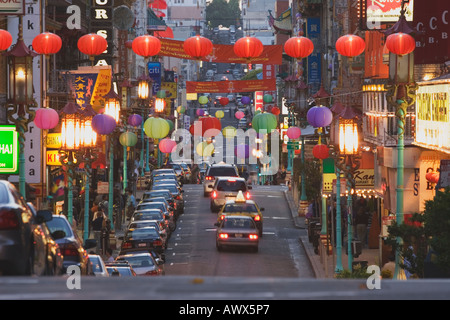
[(131, 203), (98, 223), (362, 220), (109, 256)]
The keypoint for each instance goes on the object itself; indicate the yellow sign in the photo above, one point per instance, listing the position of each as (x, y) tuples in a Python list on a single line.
[(53, 158), (54, 140), (191, 96), (170, 88)]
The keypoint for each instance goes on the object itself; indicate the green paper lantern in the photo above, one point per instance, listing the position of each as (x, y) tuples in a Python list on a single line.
[(181, 109), (267, 98), (203, 100), (264, 121), (171, 124), (229, 132), (205, 149), (161, 94), (128, 139), (156, 128)]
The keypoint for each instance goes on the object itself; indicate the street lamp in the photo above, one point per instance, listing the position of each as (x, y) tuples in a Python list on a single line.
[(21, 96), (143, 94), (112, 108), (348, 162)]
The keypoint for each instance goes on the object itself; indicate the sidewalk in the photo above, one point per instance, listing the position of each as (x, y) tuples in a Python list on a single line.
[(323, 265)]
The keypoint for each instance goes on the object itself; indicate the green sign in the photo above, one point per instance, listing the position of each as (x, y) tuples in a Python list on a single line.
[(293, 145), (9, 150)]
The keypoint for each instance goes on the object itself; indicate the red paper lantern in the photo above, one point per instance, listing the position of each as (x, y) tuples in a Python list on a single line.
[(92, 44), (5, 40), (146, 46), (350, 45), (248, 47), (46, 118), (293, 133), (47, 43), (320, 151), (197, 47), (239, 115), (400, 43), (298, 47), (204, 124), (432, 177), (224, 101), (166, 145), (275, 111)]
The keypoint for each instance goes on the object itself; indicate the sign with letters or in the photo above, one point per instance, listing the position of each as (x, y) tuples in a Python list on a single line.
[(154, 72), (9, 150), (314, 59), (102, 24), (12, 7)]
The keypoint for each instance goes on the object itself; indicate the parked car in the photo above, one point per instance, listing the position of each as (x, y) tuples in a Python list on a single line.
[(71, 245), (140, 239), (159, 193), (177, 195), (24, 243), (144, 264), (217, 170), (98, 265), (167, 214), (226, 189), (158, 225), (240, 231), (152, 214), (120, 269)]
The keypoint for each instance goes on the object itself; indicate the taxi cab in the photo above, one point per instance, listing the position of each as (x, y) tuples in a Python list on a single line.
[(244, 207)]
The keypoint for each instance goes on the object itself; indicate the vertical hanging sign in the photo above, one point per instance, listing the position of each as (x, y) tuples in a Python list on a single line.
[(102, 24), (314, 61)]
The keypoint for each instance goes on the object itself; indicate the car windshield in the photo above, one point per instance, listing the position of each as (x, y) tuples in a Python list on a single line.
[(138, 261), (222, 171), (165, 176), (96, 265), (151, 205), (236, 223), (142, 224), (148, 216), (227, 185), (59, 225), (162, 171), (3, 194), (171, 187), (154, 194), (240, 207), (142, 233)]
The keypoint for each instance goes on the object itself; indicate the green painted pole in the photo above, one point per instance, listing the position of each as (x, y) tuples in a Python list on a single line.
[(147, 156), (22, 180), (111, 182), (86, 202), (400, 176), (141, 162), (349, 226), (339, 268), (303, 197), (125, 169), (70, 188)]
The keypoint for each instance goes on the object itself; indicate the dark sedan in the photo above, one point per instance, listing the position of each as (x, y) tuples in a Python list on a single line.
[(147, 238), (168, 214), (70, 244), (159, 193), (177, 195), (23, 241)]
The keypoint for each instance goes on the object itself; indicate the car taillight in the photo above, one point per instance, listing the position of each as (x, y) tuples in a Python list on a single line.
[(214, 194), (247, 195), (222, 217), (253, 237), (223, 236), (157, 243), (8, 220), (209, 178), (69, 250), (257, 218), (126, 245), (152, 272)]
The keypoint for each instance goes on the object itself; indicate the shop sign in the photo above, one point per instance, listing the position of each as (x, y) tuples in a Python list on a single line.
[(12, 7), (53, 140), (53, 158), (9, 150)]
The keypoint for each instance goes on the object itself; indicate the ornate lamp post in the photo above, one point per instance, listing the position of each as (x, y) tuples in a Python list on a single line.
[(112, 108), (347, 162), (21, 96), (400, 95), (144, 94)]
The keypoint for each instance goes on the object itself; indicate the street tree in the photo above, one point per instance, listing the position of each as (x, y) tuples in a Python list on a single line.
[(223, 13)]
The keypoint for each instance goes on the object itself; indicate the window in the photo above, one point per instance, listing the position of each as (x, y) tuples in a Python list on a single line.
[(234, 186), (222, 172), (240, 207)]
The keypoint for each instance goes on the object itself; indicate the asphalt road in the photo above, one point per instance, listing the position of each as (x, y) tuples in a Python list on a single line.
[(192, 249)]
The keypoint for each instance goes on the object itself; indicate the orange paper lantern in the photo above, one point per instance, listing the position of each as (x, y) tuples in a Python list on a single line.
[(92, 44), (47, 43), (400, 43), (248, 47), (350, 45), (298, 47), (146, 46), (198, 47)]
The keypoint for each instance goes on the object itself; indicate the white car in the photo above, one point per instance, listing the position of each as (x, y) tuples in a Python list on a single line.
[(217, 170), (98, 266)]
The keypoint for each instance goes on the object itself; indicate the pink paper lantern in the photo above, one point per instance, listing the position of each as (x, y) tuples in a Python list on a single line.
[(46, 118), (293, 132), (167, 145), (200, 112), (239, 115)]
